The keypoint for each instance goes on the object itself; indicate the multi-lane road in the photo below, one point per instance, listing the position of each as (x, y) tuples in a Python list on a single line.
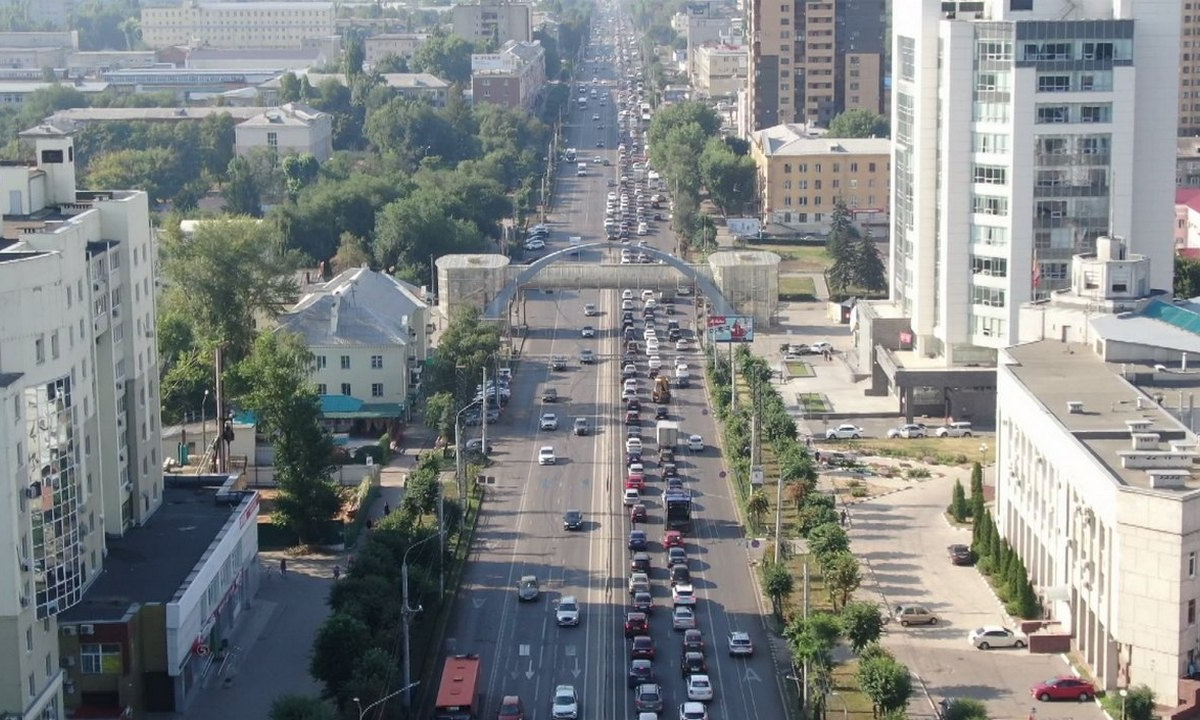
[(520, 532)]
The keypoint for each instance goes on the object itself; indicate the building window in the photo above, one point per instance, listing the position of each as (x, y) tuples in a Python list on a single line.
[(345, 362), (39, 350), (272, 140), (1053, 114), (986, 296), (320, 361), (1054, 83), (1095, 113), (1192, 564), (322, 389), (376, 389), (345, 388), (100, 658), (376, 362), (54, 345), (990, 175), (1191, 612), (989, 205)]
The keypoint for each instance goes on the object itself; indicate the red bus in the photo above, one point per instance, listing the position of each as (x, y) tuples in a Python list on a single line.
[(458, 695)]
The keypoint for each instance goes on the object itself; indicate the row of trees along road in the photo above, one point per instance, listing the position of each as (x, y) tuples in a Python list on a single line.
[(686, 149)]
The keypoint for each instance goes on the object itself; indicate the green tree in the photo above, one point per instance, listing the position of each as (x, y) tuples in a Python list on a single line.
[(778, 584), (869, 271), (887, 682), (353, 56), (289, 88), (757, 505), (958, 503), (842, 577), (815, 514), (1187, 277), (811, 640), (413, 230), (795, 493), (446, 56), (421, 491), (273, 383), (352, 253), (966, 709), (391, 63), (241, 191), (862, 624), (301, 707), (299, 171), (155, 170), (729, 177), (1138, 703), (977, 500), (858, 123), (827, 540), (1025, 604), (225, 275), (340, 641), (439, 414), (314, 224), (982, 535), (467, 344)]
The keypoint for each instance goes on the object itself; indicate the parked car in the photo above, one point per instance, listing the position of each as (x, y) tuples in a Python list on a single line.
[(961, 554), (995, 636), (845, 431), (910, 430), (475, 445), (1064, 688), (914, 615), (954, 429)]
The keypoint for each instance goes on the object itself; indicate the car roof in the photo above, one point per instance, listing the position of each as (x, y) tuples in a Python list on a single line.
[(993, 628), (526, 578)]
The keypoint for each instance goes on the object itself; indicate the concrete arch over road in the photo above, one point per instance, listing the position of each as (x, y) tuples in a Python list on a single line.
[(498, 308)]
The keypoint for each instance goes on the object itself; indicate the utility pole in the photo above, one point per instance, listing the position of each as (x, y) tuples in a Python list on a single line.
[(805, 688), (406, 613), (732, 377), (487, 406)]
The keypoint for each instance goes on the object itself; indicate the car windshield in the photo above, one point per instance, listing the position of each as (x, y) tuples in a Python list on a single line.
[(508, 709), (564, 698)]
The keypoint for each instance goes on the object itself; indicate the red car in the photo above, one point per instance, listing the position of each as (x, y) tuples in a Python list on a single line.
[(637, 513), (636, 623), (643, 648), (1066, 687), (511, 708), (673, 538), (637, 481), (633, 417)]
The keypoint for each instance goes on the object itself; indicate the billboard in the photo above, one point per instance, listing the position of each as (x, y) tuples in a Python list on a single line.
[(731, 328)]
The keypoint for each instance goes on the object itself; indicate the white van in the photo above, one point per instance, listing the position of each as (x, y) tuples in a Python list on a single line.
[(581, 170)]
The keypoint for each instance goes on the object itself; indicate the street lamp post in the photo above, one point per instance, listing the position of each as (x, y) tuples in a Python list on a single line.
[(362, 711), (459, 464), (407, 612), (204, 425), (1124, 693)]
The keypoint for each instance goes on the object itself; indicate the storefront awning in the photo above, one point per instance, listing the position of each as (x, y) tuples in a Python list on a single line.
[(347, 407)]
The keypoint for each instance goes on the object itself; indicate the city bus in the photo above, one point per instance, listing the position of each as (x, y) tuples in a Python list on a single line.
[(458, 695)]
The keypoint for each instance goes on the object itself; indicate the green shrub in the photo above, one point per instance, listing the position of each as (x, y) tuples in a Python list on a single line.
[(918, 473)]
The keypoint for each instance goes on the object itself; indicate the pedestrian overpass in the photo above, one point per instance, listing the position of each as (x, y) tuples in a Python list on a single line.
[(734, 282)]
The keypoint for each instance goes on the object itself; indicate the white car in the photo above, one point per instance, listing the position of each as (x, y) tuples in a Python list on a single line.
[(567, 614), (647, 294), (994, 636), (632, 497), (633, 445), (819, 348), (566, 703), (699, 688), (590, 310), (683, 618), (683, 594), (642, 229), (846, 431), (655, 362), (626, 294), (535, 244), (652, 347), (681, 368), (692, 711), (549, 421), (696, 443), (546, 456), (954, 429), (588, 331), (681, 345), (740, 644), (909, 430)]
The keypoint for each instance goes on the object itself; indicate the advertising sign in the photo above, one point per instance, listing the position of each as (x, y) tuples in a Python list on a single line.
[(731, 328), (744, 227)]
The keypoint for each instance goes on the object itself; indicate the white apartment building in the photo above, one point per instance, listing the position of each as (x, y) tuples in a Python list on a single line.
[(237, 24), (403, 45), (289, 129), (368, 333), (1023, 132), (79, 395)]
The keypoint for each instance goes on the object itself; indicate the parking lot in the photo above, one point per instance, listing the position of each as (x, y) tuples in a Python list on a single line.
[(902, 538)]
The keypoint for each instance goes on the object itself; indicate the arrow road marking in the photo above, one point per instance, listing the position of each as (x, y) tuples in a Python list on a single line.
[(478, 602), (577, 670), (529, 672)]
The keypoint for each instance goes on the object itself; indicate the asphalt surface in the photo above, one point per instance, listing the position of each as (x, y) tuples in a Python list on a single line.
[(520, 533), (902, 537)]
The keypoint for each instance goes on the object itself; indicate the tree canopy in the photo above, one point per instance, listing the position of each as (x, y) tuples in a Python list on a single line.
[(858, 123)]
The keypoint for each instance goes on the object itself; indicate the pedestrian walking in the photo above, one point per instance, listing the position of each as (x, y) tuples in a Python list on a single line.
[(337, 573), (817, 455), (283, 567), (845, 516), (387, 509)]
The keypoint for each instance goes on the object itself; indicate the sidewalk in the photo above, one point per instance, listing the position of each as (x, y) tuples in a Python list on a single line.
[(270, 651)]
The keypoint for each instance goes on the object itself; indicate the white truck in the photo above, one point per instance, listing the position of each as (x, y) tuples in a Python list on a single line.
[(666, 433), (581, 170)]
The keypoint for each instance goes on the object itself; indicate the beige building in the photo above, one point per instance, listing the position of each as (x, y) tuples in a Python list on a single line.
[(513, 77), (237, 24), (771, 90), (1187, 162), (1189, 69), (499, 21), (290, 129), (720, 70), (801, 176), (403, 45)]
